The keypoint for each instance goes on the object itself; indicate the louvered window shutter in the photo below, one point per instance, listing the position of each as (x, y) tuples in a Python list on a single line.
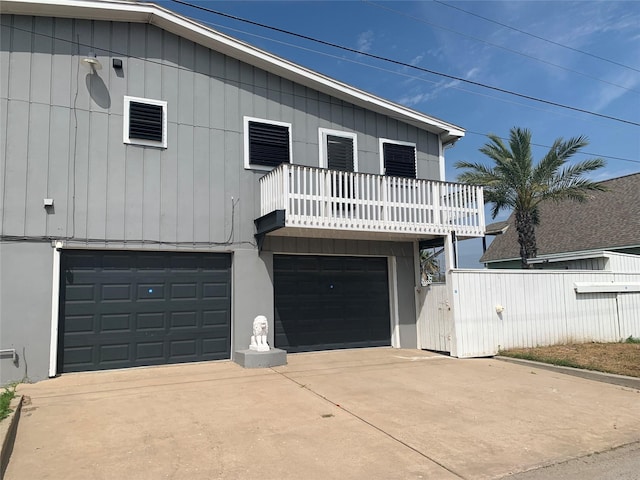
[(340, 153), (145, 121), (399, 160), (268, 144)]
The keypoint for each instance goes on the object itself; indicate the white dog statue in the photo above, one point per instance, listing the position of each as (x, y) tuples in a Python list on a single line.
[(259, 337)]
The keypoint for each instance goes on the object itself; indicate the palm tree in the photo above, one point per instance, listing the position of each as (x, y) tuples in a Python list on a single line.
[(429, 264), (513, 181)]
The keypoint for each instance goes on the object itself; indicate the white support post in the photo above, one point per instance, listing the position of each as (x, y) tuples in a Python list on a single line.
[(480, 206), (441, 160), (449, 255), (451, 292), (55, 304), (393, 300), (416, 291)]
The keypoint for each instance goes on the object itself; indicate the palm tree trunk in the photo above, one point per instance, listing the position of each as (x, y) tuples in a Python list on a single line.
[(526, 237)]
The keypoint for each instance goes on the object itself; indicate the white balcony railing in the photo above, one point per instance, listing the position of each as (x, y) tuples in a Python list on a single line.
[(330, 199)]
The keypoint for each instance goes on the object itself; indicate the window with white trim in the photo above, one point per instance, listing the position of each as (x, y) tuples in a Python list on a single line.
[(397, 159), (338, 150), (145, 122), (267, 143)]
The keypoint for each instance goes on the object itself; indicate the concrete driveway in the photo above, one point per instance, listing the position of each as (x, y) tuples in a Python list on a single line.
[(355, 414)]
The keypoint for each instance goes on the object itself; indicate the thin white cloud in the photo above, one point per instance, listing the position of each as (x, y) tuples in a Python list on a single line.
[(472, 73), (418, 98), (608, 21), (413, 100), (421, 97), (607, 95), (436, 52), (365, 41), (417, 59)]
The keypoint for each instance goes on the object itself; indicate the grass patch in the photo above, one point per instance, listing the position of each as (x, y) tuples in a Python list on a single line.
[(562, 362), (5, 401), (622, 358)]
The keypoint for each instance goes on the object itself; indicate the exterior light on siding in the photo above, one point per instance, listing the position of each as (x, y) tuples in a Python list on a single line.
[(92, 61), (117, 63)]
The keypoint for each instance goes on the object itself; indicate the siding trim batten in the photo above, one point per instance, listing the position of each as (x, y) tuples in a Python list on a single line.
[(55, 310), (393, 302)]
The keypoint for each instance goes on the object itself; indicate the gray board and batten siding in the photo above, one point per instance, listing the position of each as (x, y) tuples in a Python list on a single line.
[(61, 137), (67, 123)]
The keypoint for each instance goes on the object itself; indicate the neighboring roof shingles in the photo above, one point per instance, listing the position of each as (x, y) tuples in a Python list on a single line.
[(608, 220)]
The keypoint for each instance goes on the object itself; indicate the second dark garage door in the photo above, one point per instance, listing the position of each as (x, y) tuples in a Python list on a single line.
[(125, 309), (330, 302)]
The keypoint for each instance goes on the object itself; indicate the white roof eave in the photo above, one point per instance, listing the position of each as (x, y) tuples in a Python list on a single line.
[(113, 10), (569, 256)]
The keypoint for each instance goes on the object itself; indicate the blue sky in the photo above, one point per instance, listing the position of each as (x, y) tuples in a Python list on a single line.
[(440, 38)]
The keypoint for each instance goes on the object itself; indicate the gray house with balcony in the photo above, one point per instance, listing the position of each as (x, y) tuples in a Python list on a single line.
[(163, 184)]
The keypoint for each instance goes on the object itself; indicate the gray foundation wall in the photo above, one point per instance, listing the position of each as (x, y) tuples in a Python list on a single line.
[(407, 301), (252, 295), (26, 283), (26, 273)]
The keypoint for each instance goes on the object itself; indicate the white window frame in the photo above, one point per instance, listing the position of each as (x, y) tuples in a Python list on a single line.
[(381, 143), (247, 164), (322, 143), (125, 124)]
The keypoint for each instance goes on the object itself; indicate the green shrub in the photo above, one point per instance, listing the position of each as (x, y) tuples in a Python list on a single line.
[(5, 401)]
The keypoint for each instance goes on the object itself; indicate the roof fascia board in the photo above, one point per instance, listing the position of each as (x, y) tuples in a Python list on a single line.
[(562, 257), (184, 27), (565, 257), (500, 260)]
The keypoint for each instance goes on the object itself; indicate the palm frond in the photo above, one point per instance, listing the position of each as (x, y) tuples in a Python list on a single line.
[(571, 147), (520, 143), (570, 183), (581, 168), (495, 149), (475, 166), (548, 166)]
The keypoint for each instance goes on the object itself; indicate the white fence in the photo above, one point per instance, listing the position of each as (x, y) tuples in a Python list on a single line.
[(500, 309), (621, 262), (330, 199)]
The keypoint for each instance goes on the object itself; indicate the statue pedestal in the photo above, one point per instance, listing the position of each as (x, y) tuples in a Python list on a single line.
[(254, 359)]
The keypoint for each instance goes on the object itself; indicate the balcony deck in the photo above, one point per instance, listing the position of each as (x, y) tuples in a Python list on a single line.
[(327, 203)]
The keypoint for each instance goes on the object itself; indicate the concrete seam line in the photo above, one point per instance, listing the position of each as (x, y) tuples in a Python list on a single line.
[(153, 385), (371, 425)]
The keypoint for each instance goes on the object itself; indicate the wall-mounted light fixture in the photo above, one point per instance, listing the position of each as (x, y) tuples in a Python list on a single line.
[(117, 63), (92, 61)]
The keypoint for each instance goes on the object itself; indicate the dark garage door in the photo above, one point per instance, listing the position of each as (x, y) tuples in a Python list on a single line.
[(126, 309), (325, 302)]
